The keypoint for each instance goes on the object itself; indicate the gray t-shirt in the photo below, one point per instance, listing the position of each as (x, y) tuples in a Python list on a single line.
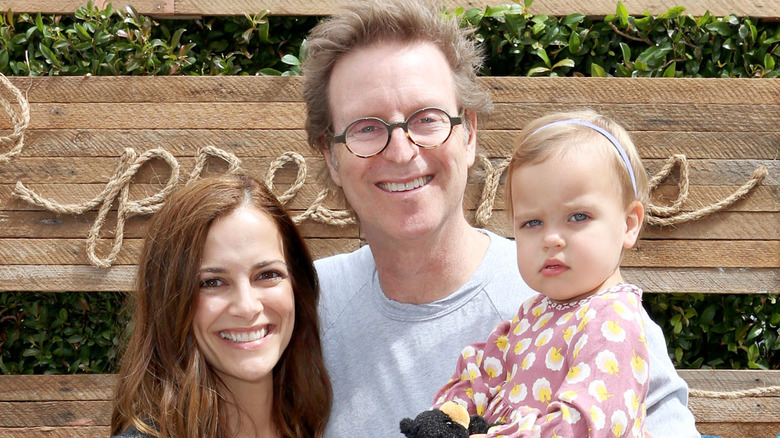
[(387, 359)]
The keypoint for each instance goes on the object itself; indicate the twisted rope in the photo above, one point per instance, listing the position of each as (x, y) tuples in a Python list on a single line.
[(20, 120), (657, 215), (754, 392), (670, 215), (118, 187), (492, 180), (316, 210)]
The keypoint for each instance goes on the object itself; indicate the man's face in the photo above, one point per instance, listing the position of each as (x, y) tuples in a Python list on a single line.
[(404, 192)]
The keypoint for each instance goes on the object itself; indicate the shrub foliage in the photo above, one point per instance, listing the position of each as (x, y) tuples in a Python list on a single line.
[(60, 333), (670, 45), (81, 332), (118, 42)]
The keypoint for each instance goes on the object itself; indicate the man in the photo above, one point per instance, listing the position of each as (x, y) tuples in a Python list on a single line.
[(392, 103)]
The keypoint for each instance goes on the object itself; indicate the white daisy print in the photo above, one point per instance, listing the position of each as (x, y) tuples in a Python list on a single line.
[(541, 390), (606, 362), (578, 373), (612, 331)]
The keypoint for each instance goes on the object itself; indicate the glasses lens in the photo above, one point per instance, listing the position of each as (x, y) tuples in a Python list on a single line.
[(366, 136), (429, 127)]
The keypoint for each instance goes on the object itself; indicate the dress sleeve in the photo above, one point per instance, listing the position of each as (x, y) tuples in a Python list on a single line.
[(470, 384), (606, 382)]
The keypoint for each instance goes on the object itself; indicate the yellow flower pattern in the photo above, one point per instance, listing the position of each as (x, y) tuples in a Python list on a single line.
[(564, 370)]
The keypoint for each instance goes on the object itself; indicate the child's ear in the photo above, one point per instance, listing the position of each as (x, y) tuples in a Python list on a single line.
[(635, 215)]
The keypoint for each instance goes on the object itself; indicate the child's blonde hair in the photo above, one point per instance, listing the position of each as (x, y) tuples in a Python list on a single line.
[(538, 142)]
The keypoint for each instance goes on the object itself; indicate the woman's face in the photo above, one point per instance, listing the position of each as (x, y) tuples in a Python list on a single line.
[(245, 306)]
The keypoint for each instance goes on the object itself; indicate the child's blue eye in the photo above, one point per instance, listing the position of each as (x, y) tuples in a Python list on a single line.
[(579, 217), (533, 223)]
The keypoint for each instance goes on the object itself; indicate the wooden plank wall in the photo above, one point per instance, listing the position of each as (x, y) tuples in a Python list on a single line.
[(76, 406), (766, 9), (81, 125)]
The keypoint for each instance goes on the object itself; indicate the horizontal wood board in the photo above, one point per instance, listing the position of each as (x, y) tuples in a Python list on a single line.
[(187, 8), (80, 127), (35, 406)]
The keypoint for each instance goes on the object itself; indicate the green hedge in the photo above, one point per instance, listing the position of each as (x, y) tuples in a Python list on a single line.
[(59, 333), (115, 42), (80, 332)]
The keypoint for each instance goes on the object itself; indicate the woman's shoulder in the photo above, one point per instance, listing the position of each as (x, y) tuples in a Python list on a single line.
[(132, 432)]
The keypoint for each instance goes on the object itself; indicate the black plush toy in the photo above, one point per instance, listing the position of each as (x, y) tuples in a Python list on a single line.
[(450, 421)]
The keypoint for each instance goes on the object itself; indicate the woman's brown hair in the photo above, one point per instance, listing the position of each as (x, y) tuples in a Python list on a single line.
[(165, 387)]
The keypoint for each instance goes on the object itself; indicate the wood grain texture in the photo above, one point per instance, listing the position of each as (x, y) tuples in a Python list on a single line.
[(705, 280), (719, 226), (48, 225), (650, 253), (274, 142), (96, 170), (683, 117), (730, 380), (597, 8), (21, 224), (763, 199), (62, 401), (73, 251), (57, 387), (55, 413), (504, 89), (56, 432), (120, 278), (70, 6)]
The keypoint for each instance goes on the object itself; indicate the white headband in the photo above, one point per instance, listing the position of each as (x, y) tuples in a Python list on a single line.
[(606, 134)]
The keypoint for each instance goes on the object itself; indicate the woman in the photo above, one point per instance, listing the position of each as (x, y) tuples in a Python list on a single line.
[(225, 338)]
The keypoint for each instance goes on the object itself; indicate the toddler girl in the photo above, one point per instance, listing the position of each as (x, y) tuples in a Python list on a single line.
[(573, 362)]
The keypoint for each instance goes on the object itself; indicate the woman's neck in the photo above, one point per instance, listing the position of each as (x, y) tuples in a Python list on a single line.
[(249, 414)]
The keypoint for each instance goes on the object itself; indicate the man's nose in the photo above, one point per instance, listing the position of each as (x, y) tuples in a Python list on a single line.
[(400, 149)]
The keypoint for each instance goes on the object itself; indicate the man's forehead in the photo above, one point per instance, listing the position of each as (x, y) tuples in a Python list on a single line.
[(391, 79)]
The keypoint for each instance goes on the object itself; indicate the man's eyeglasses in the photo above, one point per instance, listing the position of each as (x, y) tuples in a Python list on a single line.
[(427, 128)]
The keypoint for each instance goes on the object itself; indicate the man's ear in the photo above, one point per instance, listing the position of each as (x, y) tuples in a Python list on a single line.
[(330, 159), (635, 215), (470, 121)]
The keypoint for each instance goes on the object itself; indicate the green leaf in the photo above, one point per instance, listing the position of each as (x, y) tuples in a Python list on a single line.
[(538, 70), (83, 32), (543, 54), (50, 56), (626, 53), (754, 332), (670, 71), (177, 37), (769, 64), (743, 31), (564, 63), (672, 13), (575, 43), (291, 60), (722, 28), (572, 20), (597, 71), (622, 14)]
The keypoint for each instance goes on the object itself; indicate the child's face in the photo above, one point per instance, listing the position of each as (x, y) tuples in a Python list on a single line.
[(570, 225)]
